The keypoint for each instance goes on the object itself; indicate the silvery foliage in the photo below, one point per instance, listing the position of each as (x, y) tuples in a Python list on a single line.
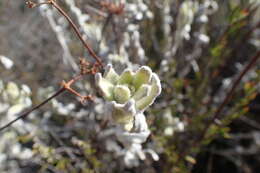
[(13, 99), (7, 62), (128, 95), (188, 11), (173, 124), (124, 47), (57, 26), (128, 38), (134, 12)]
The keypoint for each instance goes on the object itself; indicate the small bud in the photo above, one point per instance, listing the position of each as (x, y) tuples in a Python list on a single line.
[(121, 93)]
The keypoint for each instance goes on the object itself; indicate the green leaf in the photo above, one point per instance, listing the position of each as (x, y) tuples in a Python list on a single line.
[(110, 74), (155, 91), (143, 91), (105, 86), (126, 77), (121, 94), (124, 113), (142, 76)]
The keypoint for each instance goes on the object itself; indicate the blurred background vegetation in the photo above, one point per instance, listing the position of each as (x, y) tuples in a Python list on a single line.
[(198, 49)]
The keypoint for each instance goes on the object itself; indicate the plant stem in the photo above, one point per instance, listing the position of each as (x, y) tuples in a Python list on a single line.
[(219, 110), (229, 94), (26, 113), (65, 87), (90, 50)]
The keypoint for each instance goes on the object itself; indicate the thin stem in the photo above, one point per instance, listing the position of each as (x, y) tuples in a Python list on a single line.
[(230, 94), (222, 105), (90, 50), (26, 113), (75, 28), (65, 87)]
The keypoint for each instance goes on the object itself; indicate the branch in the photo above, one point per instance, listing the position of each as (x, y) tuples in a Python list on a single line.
[(230, 94), (73, 25), (90, 50), (222, 105), (26, 113), (65, 86)]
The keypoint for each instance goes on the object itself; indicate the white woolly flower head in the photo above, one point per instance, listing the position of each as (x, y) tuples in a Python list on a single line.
[(129, 93)]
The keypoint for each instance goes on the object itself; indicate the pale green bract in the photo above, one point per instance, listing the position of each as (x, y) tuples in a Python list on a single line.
[(128, 94)]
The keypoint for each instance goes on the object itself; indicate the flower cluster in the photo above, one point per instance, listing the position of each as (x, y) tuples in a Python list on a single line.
[(128, 95)]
